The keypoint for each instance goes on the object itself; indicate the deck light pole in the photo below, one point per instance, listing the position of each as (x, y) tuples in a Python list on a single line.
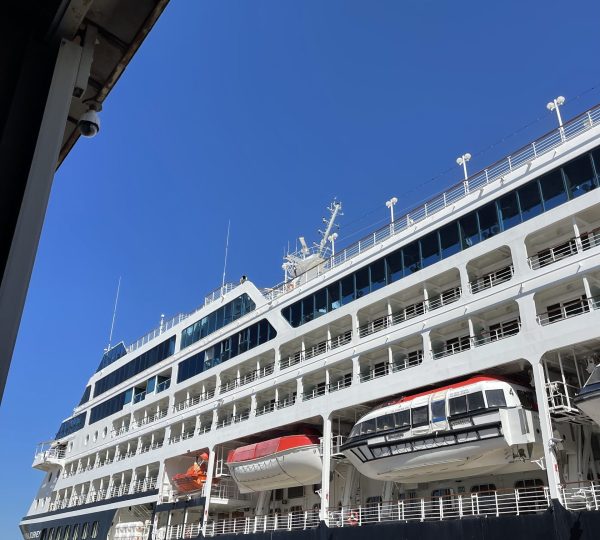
[(555, 105), (332, 238), (390, 204), (462, 160)]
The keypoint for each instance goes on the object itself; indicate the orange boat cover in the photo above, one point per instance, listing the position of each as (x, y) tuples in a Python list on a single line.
[(191, 480), (270, 447)]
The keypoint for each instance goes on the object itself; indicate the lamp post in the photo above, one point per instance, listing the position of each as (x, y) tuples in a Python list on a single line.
[(390, 204), (555, 105), (462, 160), (332, 238)]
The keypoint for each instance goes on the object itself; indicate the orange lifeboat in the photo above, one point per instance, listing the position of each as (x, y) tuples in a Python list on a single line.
[(193, 479)]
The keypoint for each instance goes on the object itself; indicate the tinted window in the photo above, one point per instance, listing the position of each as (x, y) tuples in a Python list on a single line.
[(438, 410), (347, 289), (412, 260), (402, 419), (430, 249), (420, 416), (458, 405), (385, 422), (580, 176), (295, 492), (509, 211), (449, 239), (369, 426), (475, 401), (296, 314), (469, 231), (308, 308), (553, 189), (320, 303), (529, 200), (333, 296), (394, 266), (362, 282), (495, 398), (488, 221), (377, 274)]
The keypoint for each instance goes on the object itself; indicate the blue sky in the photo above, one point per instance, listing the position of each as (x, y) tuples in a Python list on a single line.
[(261, 112)]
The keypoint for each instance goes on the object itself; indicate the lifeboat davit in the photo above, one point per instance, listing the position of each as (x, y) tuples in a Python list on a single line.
[(291, 460), (588, 398), (193, 479), (477, 426)]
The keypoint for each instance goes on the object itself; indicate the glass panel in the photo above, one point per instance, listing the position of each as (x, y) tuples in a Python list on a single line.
[(320, 303), (296, 314), (333, 296), (402, 419), (369, 426), (495, 398), (362, 282), (420, 416), (475, 401), (449, 239), (530, 200), (430, 249), (553, 189), (458, 405), (438, 410), (394, 266), (347, 289), (509, 211), (412, 259), (385, 422), (150, 385), (469, 231), (580, 176), (488, 221), (377, 274)]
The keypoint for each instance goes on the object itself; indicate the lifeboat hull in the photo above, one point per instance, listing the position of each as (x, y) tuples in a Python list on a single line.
[(293, 466)]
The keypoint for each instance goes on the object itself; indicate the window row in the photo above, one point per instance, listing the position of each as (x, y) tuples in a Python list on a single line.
[(217, 319), (88, 530), (71, 425), (242, 341), (137, 365), (540, 195)]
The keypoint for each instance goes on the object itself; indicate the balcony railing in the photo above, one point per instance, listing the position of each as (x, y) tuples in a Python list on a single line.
[(194, 400), (410, 312), (580, 496), (316, 392), (566, 310), (465, 343), (492, 279), (569, 248), (316, 350)]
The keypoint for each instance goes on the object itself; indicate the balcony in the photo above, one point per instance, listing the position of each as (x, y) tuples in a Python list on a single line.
[(48, 455), (194, 400), (491, 279), (316, 350), (568, 309)]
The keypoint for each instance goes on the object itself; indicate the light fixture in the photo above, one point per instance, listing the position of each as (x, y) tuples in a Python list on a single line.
[(462, 160), (332, 238), (390, 204), (555, 105)]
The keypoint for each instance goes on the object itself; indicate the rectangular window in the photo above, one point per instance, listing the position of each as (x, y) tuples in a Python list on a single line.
[(553, 189), (347, 284), (458, 405), (369, 426), (308, 309), (412, 258), (295, 492), (438, 410), (333, 296), (530, 201), (320, 302), (385, 422), (475, 401), (469, 230), (509, 210), (402, 419), (394, 266), (296, 314), (449, 239), (495, 398), (420, 416), (377, 274), (362, 282), (430, 249), (488, 221), (580, 176)]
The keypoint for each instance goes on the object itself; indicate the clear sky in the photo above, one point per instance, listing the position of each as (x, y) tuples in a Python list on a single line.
[(261, 112)]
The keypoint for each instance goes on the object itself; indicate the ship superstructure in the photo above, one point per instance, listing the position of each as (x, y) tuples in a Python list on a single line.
[(429, 371)]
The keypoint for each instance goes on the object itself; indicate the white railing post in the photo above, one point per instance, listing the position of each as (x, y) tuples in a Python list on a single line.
[(422, 510)]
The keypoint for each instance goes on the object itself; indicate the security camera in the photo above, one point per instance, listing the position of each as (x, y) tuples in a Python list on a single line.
[(89, 122)]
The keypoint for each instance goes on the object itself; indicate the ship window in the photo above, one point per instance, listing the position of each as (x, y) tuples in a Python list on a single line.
[(509, 210), (412, 259), (438, 410), (530, 485), (484, 489), (488, 221), (394, 266), (308, 308), (402, 419), (320, 303), (377, 274), (449, 239), (347, 284), (580, 176), (355, 430), (369, 426), (527, 400), (458, 405), (495, 398), (475, 401), (296, 314), (362, 282), (278, 495), (94, 531), (333, 296), (84, 531), (295, 492), (420, 416), (385, 422), (553, 189), (430, 249), (529, 200)]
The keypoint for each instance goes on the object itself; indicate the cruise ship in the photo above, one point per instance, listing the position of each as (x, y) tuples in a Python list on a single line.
[(429, 374)]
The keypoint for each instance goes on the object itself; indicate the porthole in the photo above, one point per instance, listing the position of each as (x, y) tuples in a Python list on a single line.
[(95, 436), (87, 439), (104, 432)]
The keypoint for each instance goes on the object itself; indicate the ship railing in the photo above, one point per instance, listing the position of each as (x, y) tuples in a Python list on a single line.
[(492, 279), (227, 489), (448, 198), (375, 372), (184, 532), (241, 417), (165, 385), (560, 395), (229, 385), (267, 408), (410, 312), (506, 330), (318, 391), (182, 436), (139, 397), (194, 400), (583, 495), (204, 429), (454, 348), (301, 520), (569, 309), (224, 422), (316, 350), (340, 384), (568, 248), (150, 446), (219, 292), (166, 325), (149, 419)]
